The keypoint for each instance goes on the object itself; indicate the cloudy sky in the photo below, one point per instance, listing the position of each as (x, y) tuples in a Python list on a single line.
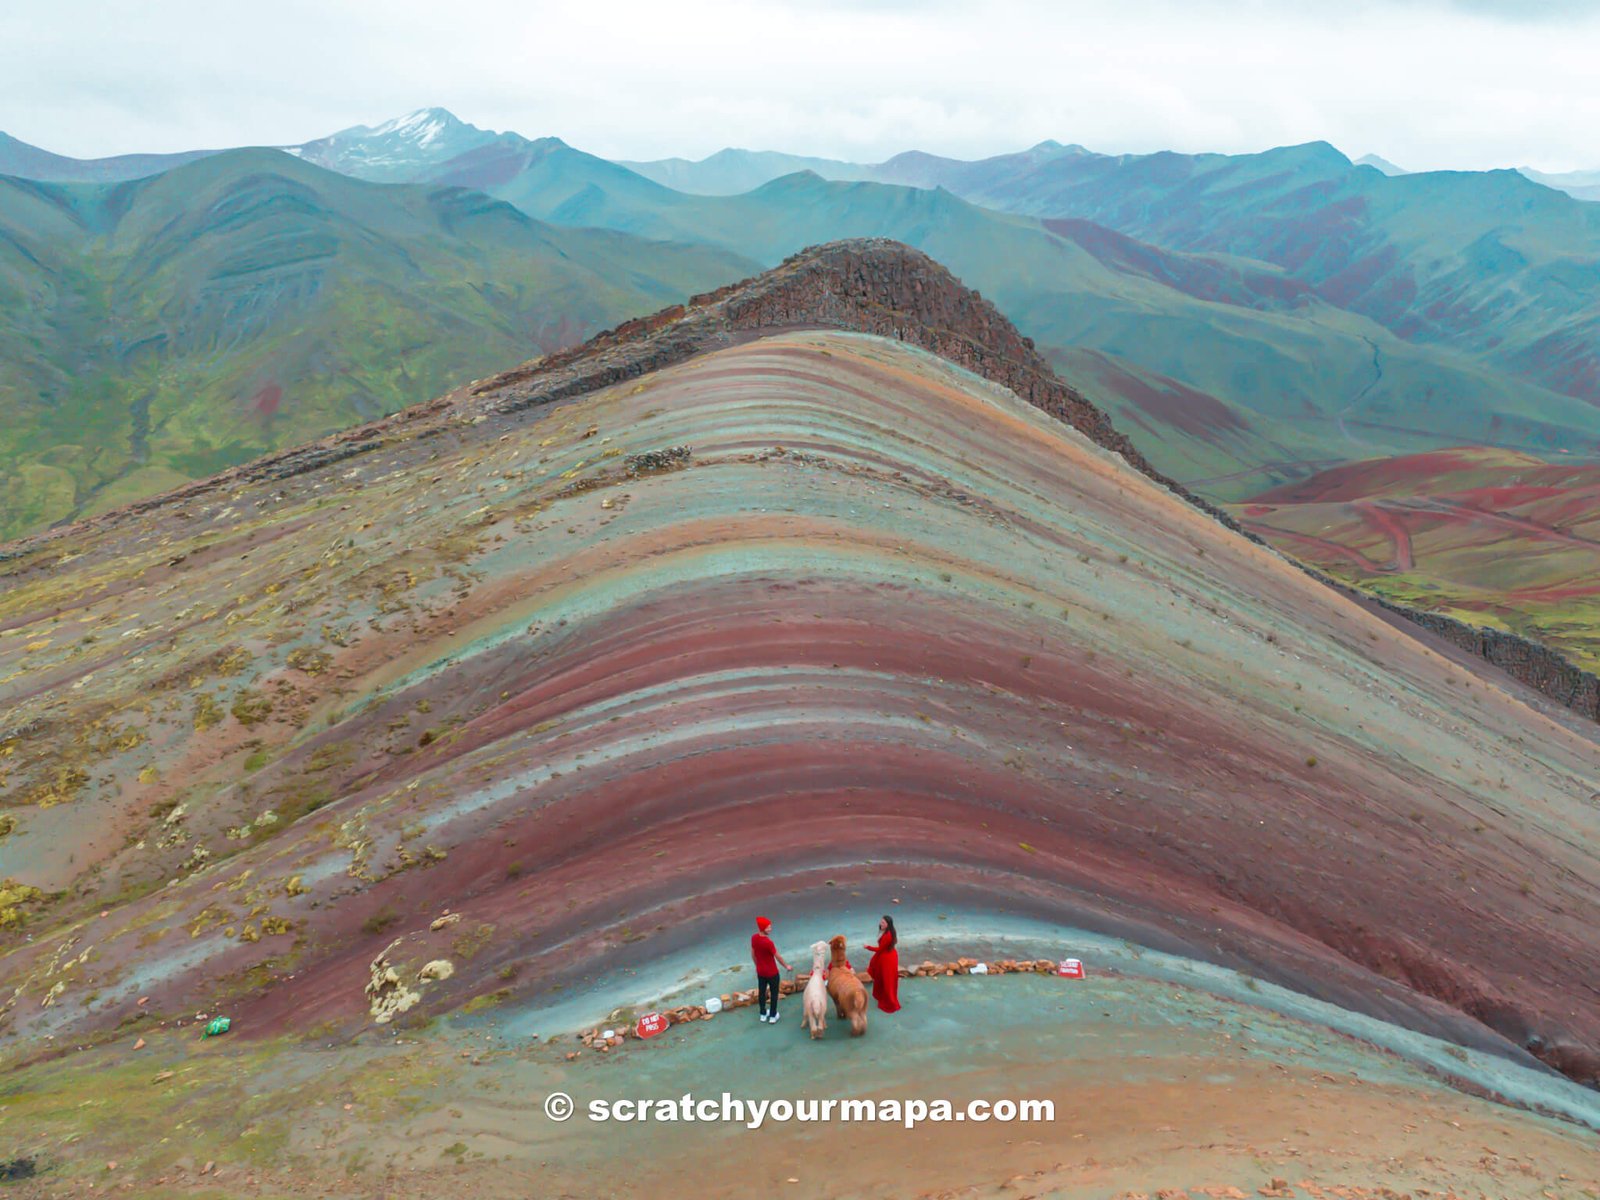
[(1425, 83)]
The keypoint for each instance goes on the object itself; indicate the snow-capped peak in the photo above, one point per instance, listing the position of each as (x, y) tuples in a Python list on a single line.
[(398, 148), (422, 126)]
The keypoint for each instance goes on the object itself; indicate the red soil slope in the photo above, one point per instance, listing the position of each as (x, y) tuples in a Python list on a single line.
[(1491, 536)]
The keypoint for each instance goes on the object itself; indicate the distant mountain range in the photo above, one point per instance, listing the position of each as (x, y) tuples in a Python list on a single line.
[(1309, 301), (1377, 162), (729, 172), (22, 161), (1489, 262), (1248, 319), (1486, 263), (392, 152), (1585, 185), (157, 331)]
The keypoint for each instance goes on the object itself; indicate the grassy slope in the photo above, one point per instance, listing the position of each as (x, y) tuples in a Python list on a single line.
[(1489, 536), (161, 330)]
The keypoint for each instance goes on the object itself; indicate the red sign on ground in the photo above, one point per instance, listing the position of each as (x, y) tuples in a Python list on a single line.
[(650, 1024), (1070, 968)]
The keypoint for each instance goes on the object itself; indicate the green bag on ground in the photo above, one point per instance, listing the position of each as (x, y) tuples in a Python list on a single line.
[(218, 1025)]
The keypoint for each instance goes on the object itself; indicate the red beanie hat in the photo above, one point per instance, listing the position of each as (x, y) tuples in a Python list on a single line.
[(763, 923)]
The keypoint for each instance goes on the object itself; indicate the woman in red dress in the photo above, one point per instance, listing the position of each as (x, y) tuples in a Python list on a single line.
[(885, 967)]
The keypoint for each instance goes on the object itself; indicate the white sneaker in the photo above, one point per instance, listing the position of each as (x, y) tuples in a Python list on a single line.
[(763, 1018), (774, 1017)]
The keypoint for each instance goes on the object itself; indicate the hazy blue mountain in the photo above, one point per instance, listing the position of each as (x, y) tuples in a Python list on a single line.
[(548, 179), (19, 159), (1582, 185), (730, 172), (1381, 164)]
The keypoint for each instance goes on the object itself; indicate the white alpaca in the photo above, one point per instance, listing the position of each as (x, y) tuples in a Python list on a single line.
[(816, 995)]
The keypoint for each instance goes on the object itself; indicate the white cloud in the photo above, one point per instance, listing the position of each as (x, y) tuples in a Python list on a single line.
[(1426, 83)]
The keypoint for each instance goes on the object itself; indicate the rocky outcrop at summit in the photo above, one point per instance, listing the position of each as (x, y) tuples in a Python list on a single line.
[(872, 285)]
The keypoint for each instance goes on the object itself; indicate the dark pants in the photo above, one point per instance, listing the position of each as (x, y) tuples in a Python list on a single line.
[(768, 986)]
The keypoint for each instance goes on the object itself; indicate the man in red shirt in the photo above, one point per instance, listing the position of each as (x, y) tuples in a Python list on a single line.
[(764, 953)]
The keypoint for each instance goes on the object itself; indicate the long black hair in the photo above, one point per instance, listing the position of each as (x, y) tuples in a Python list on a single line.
[(894, 938)]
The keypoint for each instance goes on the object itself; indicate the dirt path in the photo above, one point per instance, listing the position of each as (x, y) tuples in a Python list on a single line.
[(1386, 523), (1450, 510), (1328, 547), (1377, 378)]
